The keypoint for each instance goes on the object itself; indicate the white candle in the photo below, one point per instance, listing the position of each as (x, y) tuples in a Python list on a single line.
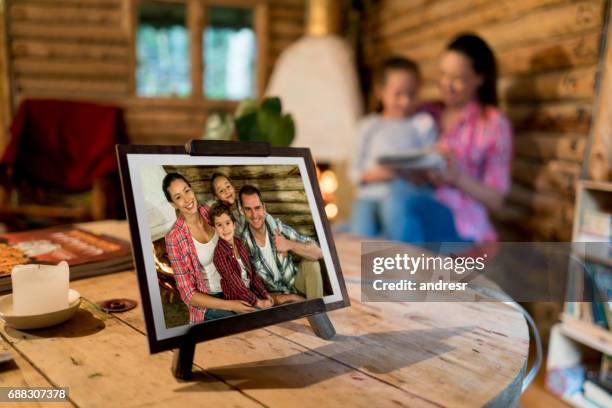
[(40, 289)]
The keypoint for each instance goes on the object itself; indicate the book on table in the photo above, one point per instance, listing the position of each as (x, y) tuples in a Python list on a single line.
[(86, 253)]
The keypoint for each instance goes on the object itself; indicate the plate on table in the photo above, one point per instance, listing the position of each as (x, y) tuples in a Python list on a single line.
[(38, 321)]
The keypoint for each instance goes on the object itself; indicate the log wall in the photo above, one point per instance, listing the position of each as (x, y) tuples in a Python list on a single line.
[(281, 187), (547, 53), (84, 49)]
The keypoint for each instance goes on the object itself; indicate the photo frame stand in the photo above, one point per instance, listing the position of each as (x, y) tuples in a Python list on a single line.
[(322, 327)]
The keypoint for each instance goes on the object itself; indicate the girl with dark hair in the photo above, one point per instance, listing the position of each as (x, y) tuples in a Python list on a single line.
[(190, 245), (476, 141)]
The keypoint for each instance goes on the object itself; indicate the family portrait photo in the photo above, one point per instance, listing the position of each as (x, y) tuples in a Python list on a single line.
[(231, 239)]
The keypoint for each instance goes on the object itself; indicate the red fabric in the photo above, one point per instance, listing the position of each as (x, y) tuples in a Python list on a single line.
[(64, 144)]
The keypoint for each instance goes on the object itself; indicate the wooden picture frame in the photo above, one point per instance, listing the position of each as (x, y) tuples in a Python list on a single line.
[(133, 161)]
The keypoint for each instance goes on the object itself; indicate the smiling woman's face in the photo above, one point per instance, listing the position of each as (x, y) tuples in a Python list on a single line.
[(459, 82), (183, 197)]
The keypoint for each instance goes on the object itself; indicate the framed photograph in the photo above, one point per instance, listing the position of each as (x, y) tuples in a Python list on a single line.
[(228, 240)]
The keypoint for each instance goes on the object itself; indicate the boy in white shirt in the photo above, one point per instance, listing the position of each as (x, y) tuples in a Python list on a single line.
[(398, 127)]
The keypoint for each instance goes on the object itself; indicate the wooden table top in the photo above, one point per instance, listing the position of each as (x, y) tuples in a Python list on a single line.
[(384, 354)]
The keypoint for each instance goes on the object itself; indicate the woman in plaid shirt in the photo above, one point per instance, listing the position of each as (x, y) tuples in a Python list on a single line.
[(190, 245), (231, 258)]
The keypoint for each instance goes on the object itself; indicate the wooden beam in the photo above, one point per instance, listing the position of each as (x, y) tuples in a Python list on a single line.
[(129, 23), (568, 84), (6, 103), (56, 50), (542, 203), (575, 50), (548, 146), (40, 68), (555, 176), (54, 13), (196, 20), (73, 33), (551, 117), (540, 25), (284, 29), (598, 157), (36, 85), (261, 28), (477, 14)]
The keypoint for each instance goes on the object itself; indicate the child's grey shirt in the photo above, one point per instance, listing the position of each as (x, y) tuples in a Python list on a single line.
[(378, 136)]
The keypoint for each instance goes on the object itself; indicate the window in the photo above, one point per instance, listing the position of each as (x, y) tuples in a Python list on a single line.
[(162, 49), (219, 37), (229, 53)]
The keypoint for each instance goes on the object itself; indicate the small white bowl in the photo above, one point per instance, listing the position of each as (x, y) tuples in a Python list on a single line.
[(27, 322)]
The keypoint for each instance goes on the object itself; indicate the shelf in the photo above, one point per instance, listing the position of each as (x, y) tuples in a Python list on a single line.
[(588, 334), (579, 401)]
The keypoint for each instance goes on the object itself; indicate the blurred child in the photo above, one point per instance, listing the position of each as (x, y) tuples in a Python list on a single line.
[(381, 191), (231, 258)]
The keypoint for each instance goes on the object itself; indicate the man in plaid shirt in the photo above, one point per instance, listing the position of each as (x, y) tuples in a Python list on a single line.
[(272, 246)]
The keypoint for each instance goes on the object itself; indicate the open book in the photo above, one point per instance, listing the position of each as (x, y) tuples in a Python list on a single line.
[(87, 254), (415, 159)]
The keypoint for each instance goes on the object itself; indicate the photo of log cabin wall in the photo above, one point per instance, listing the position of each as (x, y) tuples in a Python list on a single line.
[(282, 191)]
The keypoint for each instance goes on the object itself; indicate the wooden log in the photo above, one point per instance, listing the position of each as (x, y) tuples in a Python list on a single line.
[(551, 117), (196, 16), (288, 208), (289, 183), (576, 83), (599, 159), (294, 220), (286, 29), (542, 203), (238, 173), (180, 131), (536, 26), (96, 69), (76, 3), (6, 97), (28, 85), (42, 49), (476, 16), (560, 52), (554, 176), (546, 146), (161, 117), (557, 53), (73, 33), (428, 15), (261, 26), (49, 12), (389, 10), (158, 139), (287, 3), (295, 14), (296, 196), (179, 104)]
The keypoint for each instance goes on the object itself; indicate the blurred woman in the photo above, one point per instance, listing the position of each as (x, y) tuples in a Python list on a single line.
[(476, 141)]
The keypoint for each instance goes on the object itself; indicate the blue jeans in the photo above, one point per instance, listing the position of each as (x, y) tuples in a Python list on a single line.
[(428, 220), (212, 314), (385, 217), (409, 214)]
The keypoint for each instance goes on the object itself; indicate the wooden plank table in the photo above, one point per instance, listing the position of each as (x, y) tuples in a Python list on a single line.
[(385, 354)]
